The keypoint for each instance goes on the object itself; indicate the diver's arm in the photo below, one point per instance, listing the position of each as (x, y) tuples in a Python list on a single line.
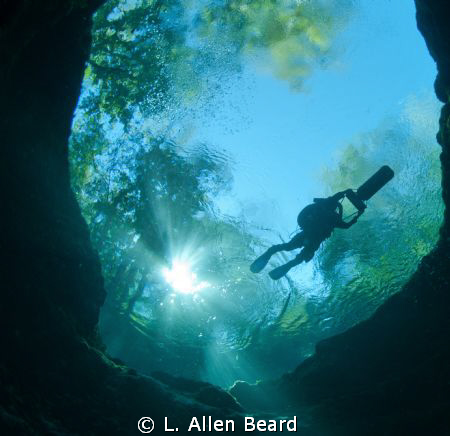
[(334, 198), (339, 195), (346, 225)]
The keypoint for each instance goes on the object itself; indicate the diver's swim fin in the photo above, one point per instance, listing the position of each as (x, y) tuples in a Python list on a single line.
[(259, 264), (280, 271)]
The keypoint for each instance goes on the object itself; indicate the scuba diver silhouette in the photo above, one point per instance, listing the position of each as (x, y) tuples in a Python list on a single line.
[(319, 219)]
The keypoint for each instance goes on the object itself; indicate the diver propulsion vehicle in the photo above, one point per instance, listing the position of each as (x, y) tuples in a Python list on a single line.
[(357, 197), (370, 187), (308, 218)]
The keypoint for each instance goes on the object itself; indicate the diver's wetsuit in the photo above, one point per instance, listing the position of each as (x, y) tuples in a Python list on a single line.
[(318, 227), (325, 220)]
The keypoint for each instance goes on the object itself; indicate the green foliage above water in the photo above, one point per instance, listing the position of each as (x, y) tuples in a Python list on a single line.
[(148, 201), (147, 54), (292, 37), (372, 260)]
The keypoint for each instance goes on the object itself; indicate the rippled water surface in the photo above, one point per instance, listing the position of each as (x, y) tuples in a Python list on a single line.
[(202, 130)]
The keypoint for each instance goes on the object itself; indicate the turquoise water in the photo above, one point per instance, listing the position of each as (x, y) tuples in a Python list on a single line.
[(203, 128)]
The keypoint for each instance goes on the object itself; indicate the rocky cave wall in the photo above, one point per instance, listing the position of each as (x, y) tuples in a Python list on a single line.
[(387, 375), (55, 377)]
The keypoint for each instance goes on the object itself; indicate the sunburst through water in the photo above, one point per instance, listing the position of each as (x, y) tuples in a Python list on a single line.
[(181, 278)]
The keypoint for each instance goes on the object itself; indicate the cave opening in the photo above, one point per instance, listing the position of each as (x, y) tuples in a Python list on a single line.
[(203, 128)]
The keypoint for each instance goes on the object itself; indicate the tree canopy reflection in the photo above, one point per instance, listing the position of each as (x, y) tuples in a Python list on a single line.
[(150, 202)]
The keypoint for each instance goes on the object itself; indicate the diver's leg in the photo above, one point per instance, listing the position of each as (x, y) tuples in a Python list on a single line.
[(304, 256), (296, 242), (282, 270), (259, 264)]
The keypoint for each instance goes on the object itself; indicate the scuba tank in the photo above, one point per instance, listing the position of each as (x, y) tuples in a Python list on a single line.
[(314, 216), (307, 216)]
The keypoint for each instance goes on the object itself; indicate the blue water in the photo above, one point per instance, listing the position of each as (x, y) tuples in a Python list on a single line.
[(256, 118)]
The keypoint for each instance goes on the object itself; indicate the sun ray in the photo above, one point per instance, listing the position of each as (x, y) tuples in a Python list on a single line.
[(182, 279)]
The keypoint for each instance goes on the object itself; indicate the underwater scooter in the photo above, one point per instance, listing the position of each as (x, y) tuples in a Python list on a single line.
[(312, 218), (369, 188)]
